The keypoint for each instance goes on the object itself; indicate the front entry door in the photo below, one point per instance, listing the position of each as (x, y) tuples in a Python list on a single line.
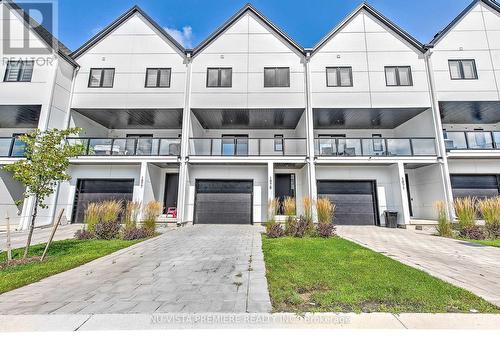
[(284, 187), (171, 190)]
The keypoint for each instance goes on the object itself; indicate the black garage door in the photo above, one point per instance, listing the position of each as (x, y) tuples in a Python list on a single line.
[(480, 186), (355, 201), (223, 202), (95, 190)]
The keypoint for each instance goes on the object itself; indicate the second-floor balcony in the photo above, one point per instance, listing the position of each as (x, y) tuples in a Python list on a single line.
[(372, 147), (129, 146), (247, 147), (472, 140), (11, 147)]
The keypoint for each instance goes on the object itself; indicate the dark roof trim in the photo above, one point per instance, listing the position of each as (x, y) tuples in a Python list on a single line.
[(491, 3), (235, 17), (112, 26), (42, 33), (364, 6)]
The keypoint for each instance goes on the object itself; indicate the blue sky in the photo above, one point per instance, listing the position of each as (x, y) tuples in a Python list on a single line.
[(305, 21)]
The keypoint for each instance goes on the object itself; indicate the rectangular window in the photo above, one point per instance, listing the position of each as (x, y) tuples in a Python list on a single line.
[(19, 71), (276, 77), (339, 76), (398, 76), (278, 143), (463, 69), (219, 77), (158, 77), (101, 77)]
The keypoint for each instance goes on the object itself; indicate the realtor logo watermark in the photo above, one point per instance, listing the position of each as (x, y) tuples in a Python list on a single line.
[(28, 27)]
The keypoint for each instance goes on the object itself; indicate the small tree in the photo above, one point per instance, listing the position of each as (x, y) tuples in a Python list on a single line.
[(47, 159)]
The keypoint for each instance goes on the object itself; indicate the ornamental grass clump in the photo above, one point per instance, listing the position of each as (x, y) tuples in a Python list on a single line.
[(490, 211), (109, 227), (326, 210), (92, 216), (152, 211), (465, 209), (289, 210), (131, 214), (308, 204), (273, 208), (443, 227)]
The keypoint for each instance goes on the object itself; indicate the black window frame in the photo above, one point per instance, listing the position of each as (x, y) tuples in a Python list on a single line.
[(398, 80), (461, 69), (279, 140), (158, 78), (339, 83), (277, 86), (219, 77), (101, 82), (19, 77)]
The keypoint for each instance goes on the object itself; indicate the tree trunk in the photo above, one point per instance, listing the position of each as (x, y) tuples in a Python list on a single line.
[(32, 227)]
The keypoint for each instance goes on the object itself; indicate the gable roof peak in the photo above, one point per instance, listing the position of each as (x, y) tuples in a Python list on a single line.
[(120, 20), (379, 16), (491, 3), (247, 7)]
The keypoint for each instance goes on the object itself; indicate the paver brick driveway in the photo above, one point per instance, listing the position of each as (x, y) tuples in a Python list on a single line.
[(213, 268), (467, 265)]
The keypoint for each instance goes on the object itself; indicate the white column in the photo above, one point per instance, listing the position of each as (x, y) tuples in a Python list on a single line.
[(184, 158), (270, 186), (404, 193), (311, 165)]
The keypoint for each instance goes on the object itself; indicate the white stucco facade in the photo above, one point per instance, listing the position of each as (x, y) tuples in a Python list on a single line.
[(249, 130)]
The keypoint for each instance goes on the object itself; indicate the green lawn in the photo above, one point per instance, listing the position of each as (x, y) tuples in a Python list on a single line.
[(314, 274), (493, 243), (62, 256)]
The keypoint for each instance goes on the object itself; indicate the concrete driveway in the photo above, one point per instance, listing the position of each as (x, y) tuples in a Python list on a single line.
[(188, 270), (466, 265)]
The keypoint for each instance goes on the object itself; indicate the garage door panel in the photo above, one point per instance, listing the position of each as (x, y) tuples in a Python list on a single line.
[(354, 201), (223, 202), (95, 190), (479, 186)]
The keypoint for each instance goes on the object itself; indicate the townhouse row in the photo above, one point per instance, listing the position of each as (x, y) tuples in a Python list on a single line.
[(369, 117)]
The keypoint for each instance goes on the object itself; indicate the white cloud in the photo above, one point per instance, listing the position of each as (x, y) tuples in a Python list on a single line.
[(184, 36)]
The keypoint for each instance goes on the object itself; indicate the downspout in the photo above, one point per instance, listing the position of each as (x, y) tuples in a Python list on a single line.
[(67, 119), (440, 143)]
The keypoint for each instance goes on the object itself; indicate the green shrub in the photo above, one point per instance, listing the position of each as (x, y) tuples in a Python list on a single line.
[(274, 229), (443, 227)]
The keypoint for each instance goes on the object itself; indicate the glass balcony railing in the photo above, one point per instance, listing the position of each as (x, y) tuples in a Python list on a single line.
[(243, 146), (11, 147), (472, 140), (128, 146), (372, 147)]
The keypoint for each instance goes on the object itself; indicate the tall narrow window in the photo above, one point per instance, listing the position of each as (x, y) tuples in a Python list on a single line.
[(398, 76), (339, 76), (463, 69), (19, 71), (278, 143), (276, 77), (101, 77), (219, 77), (158, 77)]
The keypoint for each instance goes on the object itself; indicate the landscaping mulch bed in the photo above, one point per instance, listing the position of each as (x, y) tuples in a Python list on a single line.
[(19, 262)]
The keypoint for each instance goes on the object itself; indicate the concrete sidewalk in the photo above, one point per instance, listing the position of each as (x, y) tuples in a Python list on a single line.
[(40, 235), (250, 321)]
